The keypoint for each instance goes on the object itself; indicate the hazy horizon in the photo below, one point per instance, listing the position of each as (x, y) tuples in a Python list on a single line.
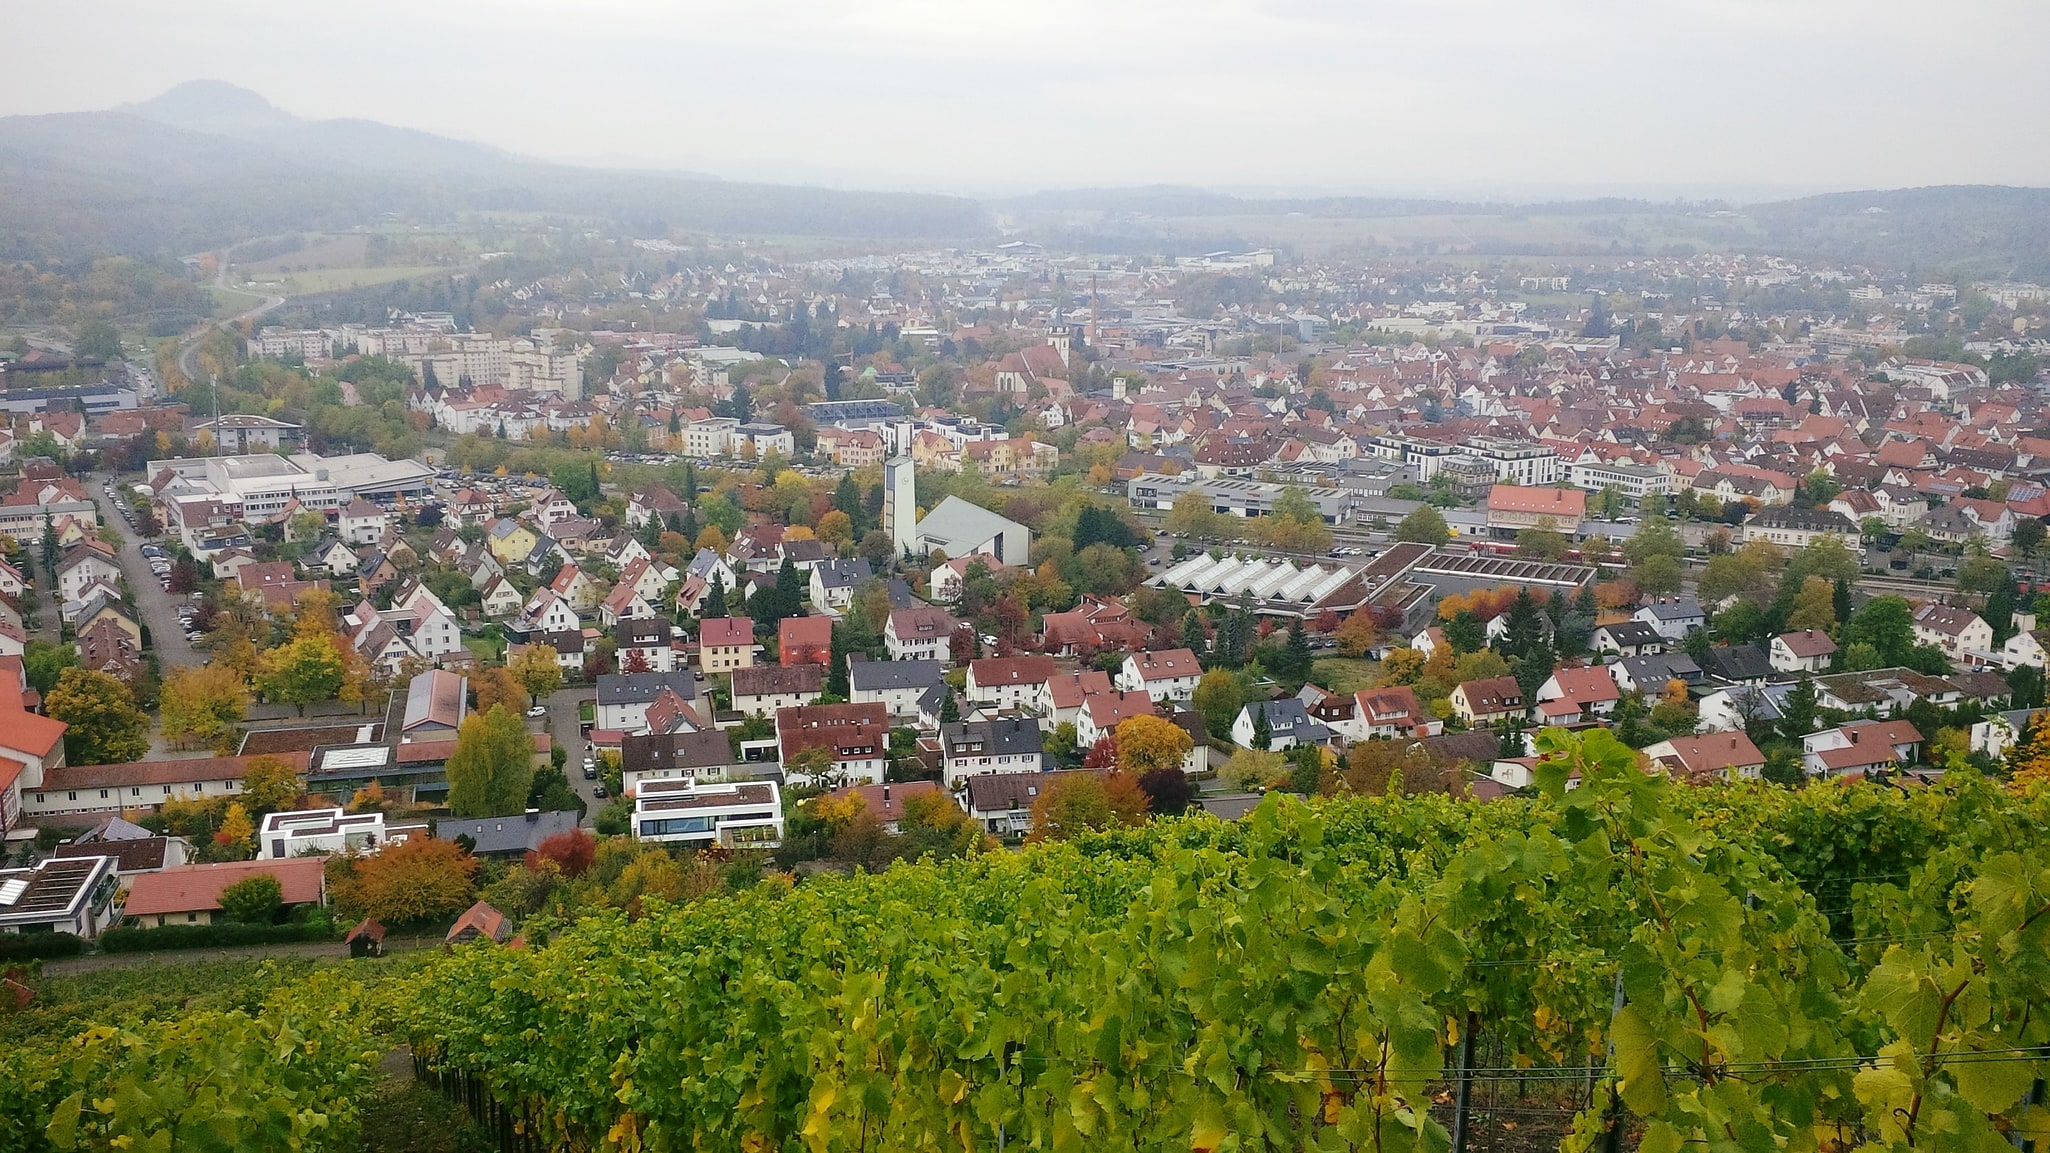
[(1454, 98)]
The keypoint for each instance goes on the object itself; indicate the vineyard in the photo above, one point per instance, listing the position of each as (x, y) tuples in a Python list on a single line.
[(1629, 964)]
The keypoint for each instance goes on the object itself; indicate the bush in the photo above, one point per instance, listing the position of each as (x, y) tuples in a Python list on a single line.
[(133, 940), (29, 946)]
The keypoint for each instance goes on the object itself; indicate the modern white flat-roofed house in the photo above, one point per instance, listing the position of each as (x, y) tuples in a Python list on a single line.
[(60, 895), (319, 831), (745, 814)]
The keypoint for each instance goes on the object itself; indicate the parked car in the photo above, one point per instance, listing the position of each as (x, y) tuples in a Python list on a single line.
[(538, 711), (590, 773), (599, 792)]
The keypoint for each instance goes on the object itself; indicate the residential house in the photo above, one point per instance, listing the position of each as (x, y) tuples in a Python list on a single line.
[(645, 645), (1061, 697), (499, 599), (725, 644), (1807, 651), (739, 815), (923, 633), (1003, 745), (625, 700), (804, 640), (896, 685), (1736, 665), (696, 755), (833, 582), (1861, 747), (577, 588), (1727, 756), (1002, 802), (1631, 638), (1650, 675), (624, 604), (760, 690), (1673, 617), (1288, 724), (362, 522), (1490, 701), (1954, 630), (998, 683), (885, 802), (1577, 693), (1391, 712), (857, 737), (1102, 713), (191, 894), (60, 894), (1170, 675)]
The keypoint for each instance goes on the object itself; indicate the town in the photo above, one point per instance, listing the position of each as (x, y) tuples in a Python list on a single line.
[(821, 578), (930, 549)]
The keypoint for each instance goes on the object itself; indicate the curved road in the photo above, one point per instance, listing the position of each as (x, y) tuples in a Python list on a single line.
[(187, 359)]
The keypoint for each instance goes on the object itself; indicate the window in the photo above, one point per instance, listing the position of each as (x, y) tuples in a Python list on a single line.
[(71, 796)]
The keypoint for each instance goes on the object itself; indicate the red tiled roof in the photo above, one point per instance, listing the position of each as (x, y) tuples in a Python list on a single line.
[(197, 888)]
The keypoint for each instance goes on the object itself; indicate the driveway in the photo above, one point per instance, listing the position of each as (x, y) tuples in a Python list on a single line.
[(561, 721), (167, 636)]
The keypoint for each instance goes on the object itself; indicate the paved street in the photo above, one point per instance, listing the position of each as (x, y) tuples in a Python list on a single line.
[(167, 636), (562, 720)]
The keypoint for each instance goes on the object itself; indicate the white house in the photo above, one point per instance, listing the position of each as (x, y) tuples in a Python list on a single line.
[(362, 522), (1673, 617), (997, 683), (1954, 630), (1807, 651), (896, 685), (319, 831), (1164, 676), (923, 633), (739, 814), (973, 748)]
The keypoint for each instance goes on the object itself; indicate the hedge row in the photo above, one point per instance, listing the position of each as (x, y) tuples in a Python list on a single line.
[(29, 946), (135, 940)]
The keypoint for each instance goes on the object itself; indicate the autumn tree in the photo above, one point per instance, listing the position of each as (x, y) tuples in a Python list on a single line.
[(236, 838), (1169, 791), (253, 900), (204, 705), (1424, 526), (1146, 743), (270, 786), (1085, 801), (1219, 696), (1814, 606), (492, 766), (499, 686), (537, 670), (1356, 634), (104, 726), (411, 882), (572, 852), (302, 671)]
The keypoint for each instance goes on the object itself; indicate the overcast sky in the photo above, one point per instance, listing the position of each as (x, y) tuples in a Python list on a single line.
[(1539, 97)]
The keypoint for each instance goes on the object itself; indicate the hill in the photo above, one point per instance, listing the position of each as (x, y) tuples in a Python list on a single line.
[(208, 164)]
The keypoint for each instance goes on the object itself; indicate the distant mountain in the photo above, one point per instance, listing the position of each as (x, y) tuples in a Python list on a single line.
[(208, 164)]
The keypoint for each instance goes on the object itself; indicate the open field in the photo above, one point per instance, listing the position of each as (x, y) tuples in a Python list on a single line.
[(329, 252), (336, 279), (1344, 674)]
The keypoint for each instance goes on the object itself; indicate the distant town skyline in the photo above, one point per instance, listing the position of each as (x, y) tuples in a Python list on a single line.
[(1741, 99)]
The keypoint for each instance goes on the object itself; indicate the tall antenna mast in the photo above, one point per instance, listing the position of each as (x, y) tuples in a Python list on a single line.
[(214, 380)]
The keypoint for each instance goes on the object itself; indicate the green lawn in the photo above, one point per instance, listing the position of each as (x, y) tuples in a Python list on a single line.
[(335, 279), (1344, 674)]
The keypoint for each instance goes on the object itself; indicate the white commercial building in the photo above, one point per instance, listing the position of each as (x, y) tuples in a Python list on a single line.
[(739, 814)]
